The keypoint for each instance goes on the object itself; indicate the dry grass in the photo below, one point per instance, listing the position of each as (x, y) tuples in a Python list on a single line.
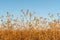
[(32, 29)]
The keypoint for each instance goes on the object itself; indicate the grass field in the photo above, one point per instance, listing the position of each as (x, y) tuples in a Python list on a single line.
[(32, 29)]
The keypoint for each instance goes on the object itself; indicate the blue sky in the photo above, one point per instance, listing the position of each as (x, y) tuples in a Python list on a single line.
[(41, 7)]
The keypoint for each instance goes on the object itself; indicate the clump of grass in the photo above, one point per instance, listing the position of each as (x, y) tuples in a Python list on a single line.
[(28, 28)]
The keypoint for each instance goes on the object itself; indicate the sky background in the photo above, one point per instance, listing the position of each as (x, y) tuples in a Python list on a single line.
[(41, 7)]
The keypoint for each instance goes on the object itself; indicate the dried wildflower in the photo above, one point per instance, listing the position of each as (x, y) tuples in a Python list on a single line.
[(34, 18), (22, 11), (55, 21), (41, 17), (30, 15), (8, 21), (8, 15), (45, 21), (27, 12), (15, 20)]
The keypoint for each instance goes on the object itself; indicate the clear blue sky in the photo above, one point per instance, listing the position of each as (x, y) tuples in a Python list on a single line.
[(41, 7)]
